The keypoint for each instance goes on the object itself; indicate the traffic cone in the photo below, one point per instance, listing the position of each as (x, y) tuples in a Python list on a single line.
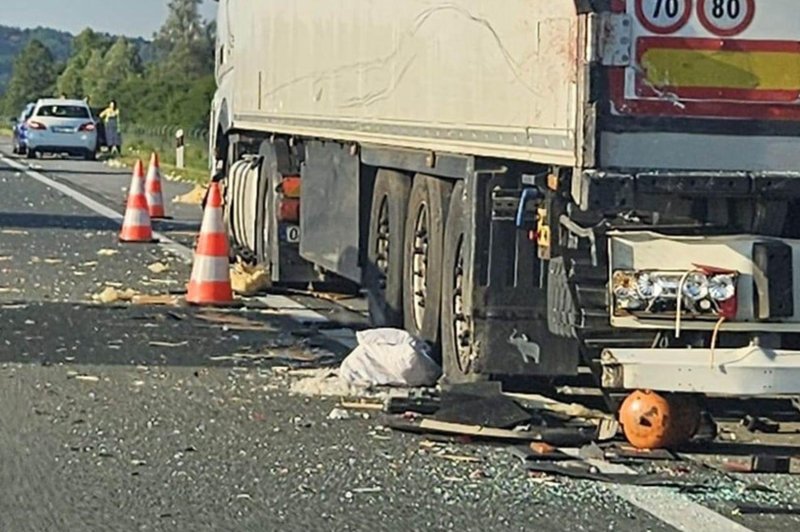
[(155, 198), (136, 224), (211, 279)]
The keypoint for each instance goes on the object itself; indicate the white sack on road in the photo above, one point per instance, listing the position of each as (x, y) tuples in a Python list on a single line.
[(389, 357)]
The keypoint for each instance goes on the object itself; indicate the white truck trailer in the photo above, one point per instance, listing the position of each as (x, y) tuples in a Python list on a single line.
[(531, 185)]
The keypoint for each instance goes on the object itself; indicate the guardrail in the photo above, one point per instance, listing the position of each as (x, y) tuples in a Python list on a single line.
[(162, 140)]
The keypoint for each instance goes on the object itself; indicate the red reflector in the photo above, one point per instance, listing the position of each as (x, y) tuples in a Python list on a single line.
[(729, 308), (289, 211)]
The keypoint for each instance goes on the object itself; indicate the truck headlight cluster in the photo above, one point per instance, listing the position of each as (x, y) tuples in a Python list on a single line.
[(661, 292)]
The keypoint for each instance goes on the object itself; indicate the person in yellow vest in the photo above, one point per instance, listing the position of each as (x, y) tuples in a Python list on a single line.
[(110, 116)]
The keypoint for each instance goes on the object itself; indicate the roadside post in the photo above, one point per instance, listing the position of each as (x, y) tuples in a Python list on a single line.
[(180, 149)]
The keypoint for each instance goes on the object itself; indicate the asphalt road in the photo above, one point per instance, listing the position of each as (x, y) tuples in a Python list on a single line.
[(129, 417)]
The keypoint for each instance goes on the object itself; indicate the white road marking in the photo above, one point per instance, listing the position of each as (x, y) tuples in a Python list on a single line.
[(300, 312), (297, 311), (182, 252), (666, 504)]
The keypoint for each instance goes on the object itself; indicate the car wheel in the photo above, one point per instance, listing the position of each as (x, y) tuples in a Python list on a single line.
[(90, 155), (31, 154)]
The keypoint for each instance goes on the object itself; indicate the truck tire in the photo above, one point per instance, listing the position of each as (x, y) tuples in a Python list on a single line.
[(457, 348), (383, 278), (424, 249)]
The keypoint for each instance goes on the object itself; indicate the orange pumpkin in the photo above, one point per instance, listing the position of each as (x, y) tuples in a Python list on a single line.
[(654, 421)]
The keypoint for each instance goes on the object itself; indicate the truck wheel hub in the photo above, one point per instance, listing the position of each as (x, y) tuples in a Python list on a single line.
[(419, 266)]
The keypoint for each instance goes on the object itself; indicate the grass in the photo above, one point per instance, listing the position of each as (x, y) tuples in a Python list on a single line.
[(141, 146)]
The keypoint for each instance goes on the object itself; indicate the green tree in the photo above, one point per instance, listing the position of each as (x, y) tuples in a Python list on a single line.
[(185, 42), (93, 83), (34, 77), (85, 44), (121, 62)]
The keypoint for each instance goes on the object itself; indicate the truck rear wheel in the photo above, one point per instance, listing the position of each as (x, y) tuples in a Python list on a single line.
[(383, 278), (458, 355), (424, 243)]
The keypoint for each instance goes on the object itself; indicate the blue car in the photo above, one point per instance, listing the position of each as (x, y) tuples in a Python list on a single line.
[(20, 130)]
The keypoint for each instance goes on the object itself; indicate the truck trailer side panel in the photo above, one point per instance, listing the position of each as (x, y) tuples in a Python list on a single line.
[(466, 77)]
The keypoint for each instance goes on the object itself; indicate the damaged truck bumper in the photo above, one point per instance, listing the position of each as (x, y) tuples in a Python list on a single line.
[(743, 371)]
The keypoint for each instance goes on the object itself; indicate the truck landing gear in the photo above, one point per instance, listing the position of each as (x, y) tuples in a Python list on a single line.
[(654, 421)]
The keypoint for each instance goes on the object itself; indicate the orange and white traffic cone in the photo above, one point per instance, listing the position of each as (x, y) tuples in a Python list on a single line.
[(155, 198), (136, 225), (211, 279)]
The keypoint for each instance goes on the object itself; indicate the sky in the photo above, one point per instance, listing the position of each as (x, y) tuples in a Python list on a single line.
[(134, 18)]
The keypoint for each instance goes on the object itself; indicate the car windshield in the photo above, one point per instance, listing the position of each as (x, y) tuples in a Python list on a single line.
[(63, 111)]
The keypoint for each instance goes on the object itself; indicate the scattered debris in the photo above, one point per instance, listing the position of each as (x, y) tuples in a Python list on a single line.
[(321, 383), (158, 267), (112, 295), (156, 343), (53, 261), (14, 232), (418, 404), (760, 424), (457, 458), (389, 357), (154, 300), (759, 463), (249, 280), (193, 197), (89, 264), (579, 469), (573, 410), (107, 252), (9, 290), (361, 406), (566, 437), (87, 378), (745, 509), (5, 258), (375, 489), (339, 414), (231, 322), (495, 411)]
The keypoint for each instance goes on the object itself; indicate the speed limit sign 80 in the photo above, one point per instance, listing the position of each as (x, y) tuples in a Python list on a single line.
[(726, 18), (663, 16)]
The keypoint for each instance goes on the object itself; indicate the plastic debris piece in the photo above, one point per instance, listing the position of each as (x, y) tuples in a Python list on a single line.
[(154, 300), (249, 280), (339, 414), (112, 295), (389, 357), (107, 252), (156, 343), (193, 197), (158, 267)]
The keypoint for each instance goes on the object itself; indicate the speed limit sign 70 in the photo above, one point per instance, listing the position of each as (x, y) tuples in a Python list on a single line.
[(663, 16), (726, 18)]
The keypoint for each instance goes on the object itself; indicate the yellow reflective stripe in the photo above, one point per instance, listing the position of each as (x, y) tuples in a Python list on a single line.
[(755, 70)]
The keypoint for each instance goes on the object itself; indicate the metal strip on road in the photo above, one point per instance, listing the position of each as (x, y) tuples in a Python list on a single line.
[(299, 312), (665, 504)]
